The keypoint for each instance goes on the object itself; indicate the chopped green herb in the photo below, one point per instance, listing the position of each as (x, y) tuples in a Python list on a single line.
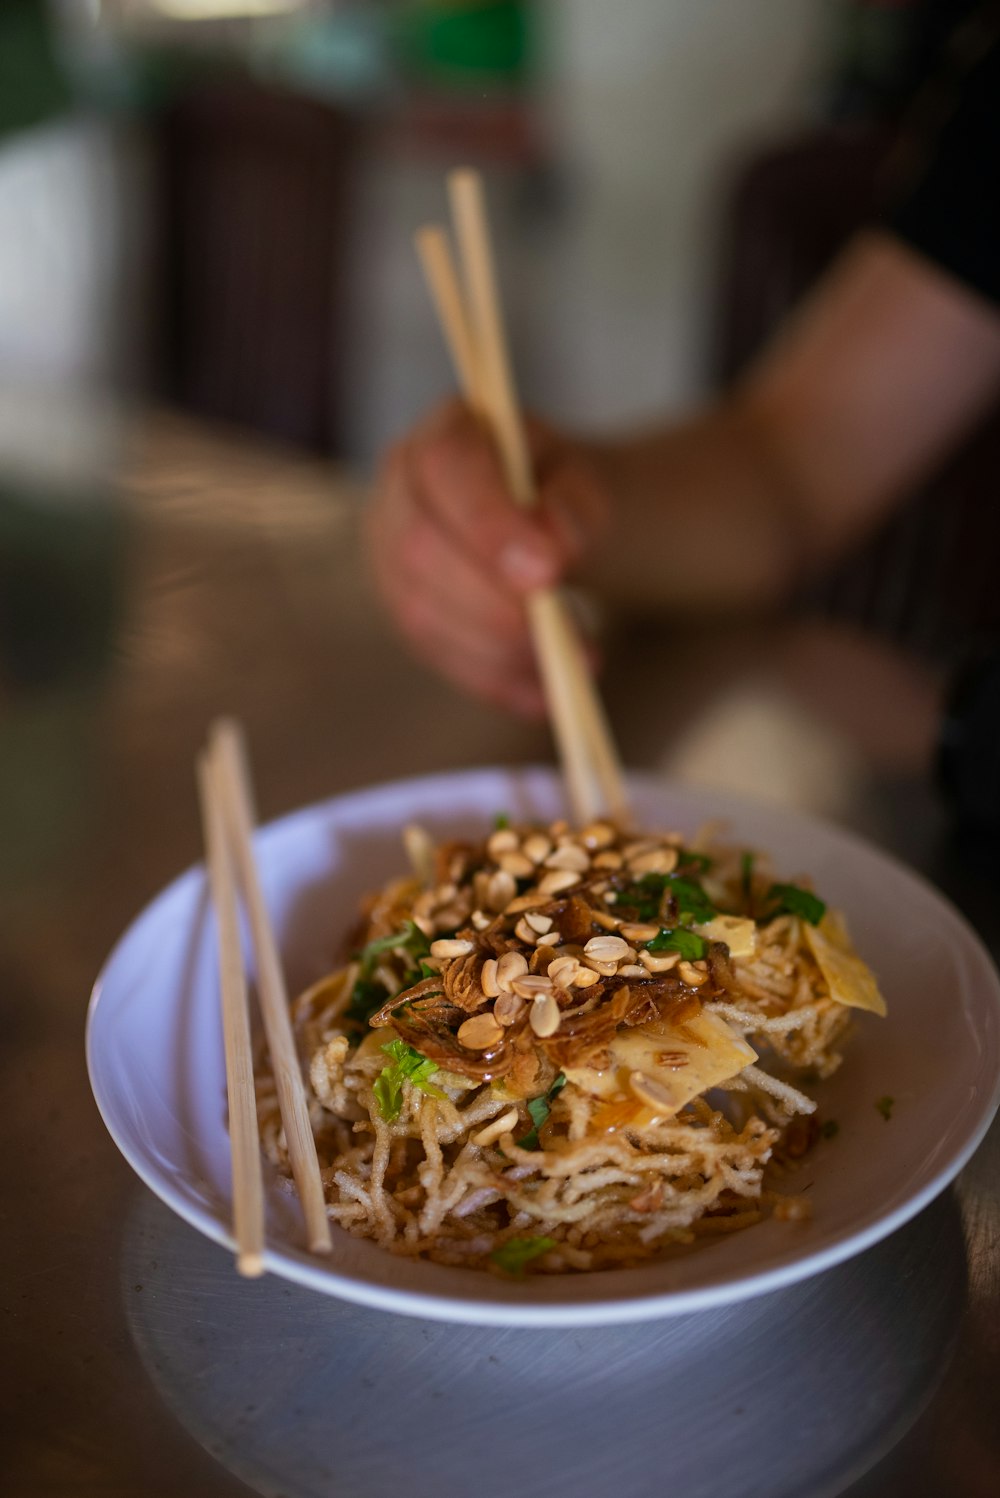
[(830, 1129), (690, 945), (692, 902), (701, 861), (417, 975), (747, 861), (501, 821), (388, 1090), (645, 908), (539, 1109), (885, 1106), (407, 1065), (796, 901), (410, 938), (416, 1068), (513, 1255), (368, 994)]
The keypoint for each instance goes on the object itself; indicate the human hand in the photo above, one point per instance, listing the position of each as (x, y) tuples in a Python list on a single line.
[(454, 557)]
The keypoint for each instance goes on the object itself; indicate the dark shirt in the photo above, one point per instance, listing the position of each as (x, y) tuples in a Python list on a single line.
[(944, 175), (927, 578)]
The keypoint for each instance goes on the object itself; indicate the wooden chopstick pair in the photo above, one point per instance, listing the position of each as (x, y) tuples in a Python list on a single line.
[(227, 820), (472, 322)]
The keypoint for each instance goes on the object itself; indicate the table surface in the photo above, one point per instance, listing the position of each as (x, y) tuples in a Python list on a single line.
[(136, 1361)]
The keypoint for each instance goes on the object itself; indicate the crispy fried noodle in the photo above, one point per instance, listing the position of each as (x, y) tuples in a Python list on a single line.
[(571, 1049)]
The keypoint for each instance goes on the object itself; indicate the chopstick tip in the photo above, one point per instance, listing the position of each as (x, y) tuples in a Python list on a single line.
[(225, 727)]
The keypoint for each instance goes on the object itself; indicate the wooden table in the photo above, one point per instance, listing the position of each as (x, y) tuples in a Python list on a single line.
[(133, 1356)]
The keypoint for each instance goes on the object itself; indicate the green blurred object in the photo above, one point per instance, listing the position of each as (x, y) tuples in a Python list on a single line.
[(47, 793), (33, 86), (60, 588), (872, 51), (61, 604), (447, 41)]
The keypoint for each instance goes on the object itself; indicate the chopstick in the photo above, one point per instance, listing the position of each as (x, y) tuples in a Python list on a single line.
[(468, 208), (231, 779), (244, 1134), (544, 608), (439, 272), (472, 324)]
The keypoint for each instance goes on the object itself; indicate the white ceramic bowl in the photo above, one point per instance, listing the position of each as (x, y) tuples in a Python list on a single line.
[(154, 1051)]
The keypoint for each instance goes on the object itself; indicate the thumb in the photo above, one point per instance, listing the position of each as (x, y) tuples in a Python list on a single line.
[(531, 558)]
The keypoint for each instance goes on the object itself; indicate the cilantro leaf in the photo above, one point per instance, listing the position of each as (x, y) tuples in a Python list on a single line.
[(646, 897), (388, 1090), (368, 994), (417, 975), (796, 901), (539, 1109), (885, 1106), (701, 861), (406, 1065), (513, 1255), (414, 1067), (410, 938), (690, 945), (501, 821), (692, 902)]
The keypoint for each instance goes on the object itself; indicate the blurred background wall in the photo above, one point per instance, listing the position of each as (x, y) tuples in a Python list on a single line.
[(609, 235), (209, 204), (610, 135)]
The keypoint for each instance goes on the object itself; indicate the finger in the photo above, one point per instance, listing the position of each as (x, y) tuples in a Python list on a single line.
[(459, 478), (477, 596), (388, 519), (573, 504), (501, 670), (428, 618), (413, 557), (485, 668), (572, 499), (390, 505)]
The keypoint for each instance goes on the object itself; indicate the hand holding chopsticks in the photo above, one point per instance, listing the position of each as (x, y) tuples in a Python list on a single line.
[(473, 328), (227, 818)]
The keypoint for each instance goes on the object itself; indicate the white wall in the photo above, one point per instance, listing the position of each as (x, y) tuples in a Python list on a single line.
[(68, 295), (60, 260), (653, 102), (650, 103)]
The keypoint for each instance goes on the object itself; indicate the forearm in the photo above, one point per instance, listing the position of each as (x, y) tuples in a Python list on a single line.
[(704, 519), (883, 369)]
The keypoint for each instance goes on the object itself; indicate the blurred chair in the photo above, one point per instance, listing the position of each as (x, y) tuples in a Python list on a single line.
[(925, 578), (255, 214)]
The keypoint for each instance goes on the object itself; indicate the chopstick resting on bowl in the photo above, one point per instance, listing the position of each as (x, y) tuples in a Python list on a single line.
[(227, 813), (472, 324), (244, 1132)]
